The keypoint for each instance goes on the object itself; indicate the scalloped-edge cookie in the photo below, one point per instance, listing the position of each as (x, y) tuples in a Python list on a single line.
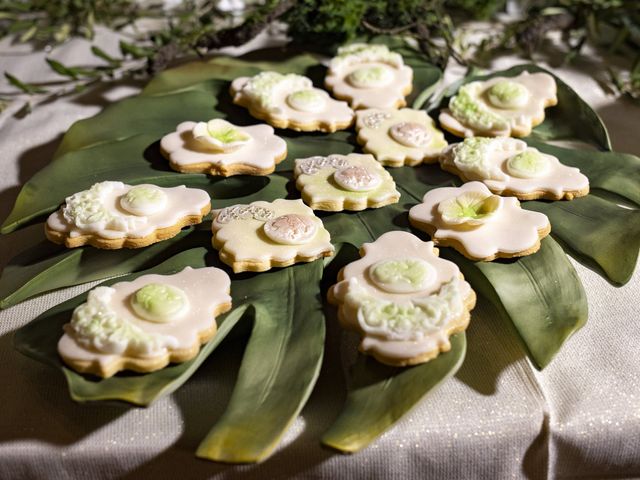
[(369, 76), (145, 324), (478, 224), (402, 299), (263, 235), (399, 137), (344, 182), (500, 106), (218, 147), (290, 101), (509, 167), (113, 215)]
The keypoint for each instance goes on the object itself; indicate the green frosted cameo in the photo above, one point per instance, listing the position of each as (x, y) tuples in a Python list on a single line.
[(160, 303), (508, 95), (468, 107), (144, 200), (470, 208), (307, 100), (375, 76), (405, 275), (219, 135), (528, 164)]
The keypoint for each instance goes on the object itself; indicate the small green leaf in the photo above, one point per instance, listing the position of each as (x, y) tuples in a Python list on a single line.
[(540, 295), (62, 69), (380, 395), (98, 52), (134, 50), (25, 87)]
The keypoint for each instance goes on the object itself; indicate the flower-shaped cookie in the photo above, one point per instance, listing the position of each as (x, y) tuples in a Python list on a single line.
[(262, 235), (369, 76), (403, 299), (509, 167), (478, 224), (218, 147), (344, 182), (399, 137), (144, 324), (500, 106), (114, 215), (290, 101)]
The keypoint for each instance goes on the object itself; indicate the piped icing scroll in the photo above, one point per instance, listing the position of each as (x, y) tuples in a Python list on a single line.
[(500, 106), (510, 167), (369, 76), (115, 215), (402, 299), (290, 101), (145, 324), (262, 235), (218, 147), (399, 137), (479, 224), (344, 182)]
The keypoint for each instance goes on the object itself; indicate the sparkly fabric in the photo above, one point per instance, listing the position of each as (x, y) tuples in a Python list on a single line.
[(497, 418)]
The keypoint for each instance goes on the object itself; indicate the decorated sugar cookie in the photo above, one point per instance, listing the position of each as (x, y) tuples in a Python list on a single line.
[(478, 224), (145, 324), (344, 182), (509, 167), (262, 235), (369, 76), (115, 215), (290, 101), (399, 137), (500, 106), (218, 147), (403, 299)]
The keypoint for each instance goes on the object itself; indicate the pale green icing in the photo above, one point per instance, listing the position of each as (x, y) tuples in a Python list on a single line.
[(220, 135), (262, 87), (468, 108), (470, 208), (308, 100), (371, 76), (402, 275), (407, 321), (97, 326), (160, 303), (363, 52), (227, 133), (88, 210), (144, 200), (528, 164), (508, 94), (473, 155)]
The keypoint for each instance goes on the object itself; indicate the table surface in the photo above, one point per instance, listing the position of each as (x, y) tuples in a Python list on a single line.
[(497, 418)]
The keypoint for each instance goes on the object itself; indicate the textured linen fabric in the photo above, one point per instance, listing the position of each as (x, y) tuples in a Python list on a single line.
[(497, 418)]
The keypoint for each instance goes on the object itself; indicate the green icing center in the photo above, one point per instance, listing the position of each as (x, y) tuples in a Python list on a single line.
[(228, 135), (368, 77), (407, 274), (143, 195), (528, 164), (469, 109), (158, 302), (508, 94), (470, 207)]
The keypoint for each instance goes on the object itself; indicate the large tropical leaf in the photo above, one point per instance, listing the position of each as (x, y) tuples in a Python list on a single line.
[(541, 295), (572, 119), (380, 395)]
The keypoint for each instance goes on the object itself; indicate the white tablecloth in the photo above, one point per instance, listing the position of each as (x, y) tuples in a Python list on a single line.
[(497, 418)]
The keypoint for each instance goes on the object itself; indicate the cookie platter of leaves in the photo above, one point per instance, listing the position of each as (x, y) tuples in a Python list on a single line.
[(123, 140)]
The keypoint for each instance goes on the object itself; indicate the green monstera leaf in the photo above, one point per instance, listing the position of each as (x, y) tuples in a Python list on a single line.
[(286, 338)]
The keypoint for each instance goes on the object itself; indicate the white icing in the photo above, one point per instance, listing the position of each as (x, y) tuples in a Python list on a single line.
[(404, 324), (376, 76), (512, 230), (261, 152), (357, 53), (402, 275), (308, 100), (399, 137), (99, 211), (291, 229), (264, 88), (143, 200), (244, 212), (312, 165), (106, 327), (487, 160), (357, 179)]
